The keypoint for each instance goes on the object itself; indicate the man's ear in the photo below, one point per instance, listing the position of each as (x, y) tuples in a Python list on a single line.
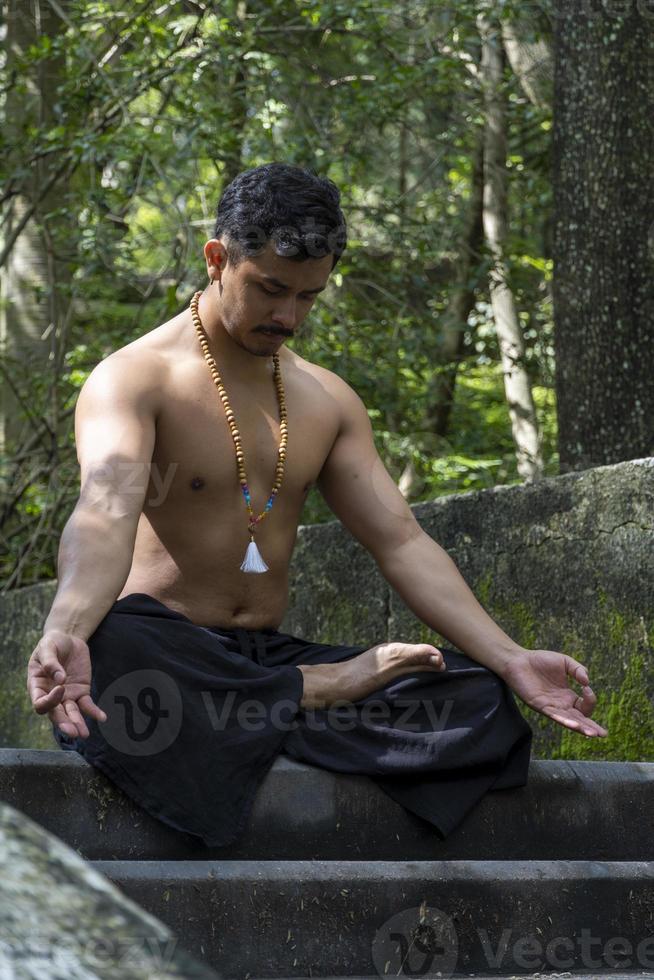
[(215, 255)]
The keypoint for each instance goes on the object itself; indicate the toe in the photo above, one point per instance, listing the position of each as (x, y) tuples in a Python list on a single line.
[(424, 653)]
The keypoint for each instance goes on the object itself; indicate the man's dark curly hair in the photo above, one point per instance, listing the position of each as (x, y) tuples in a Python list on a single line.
[(293, 208)]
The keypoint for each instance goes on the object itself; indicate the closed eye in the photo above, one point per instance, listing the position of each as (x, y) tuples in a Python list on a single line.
[(270, 292)]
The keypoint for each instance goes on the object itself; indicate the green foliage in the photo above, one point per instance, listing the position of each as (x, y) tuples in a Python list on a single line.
[(150, 118)]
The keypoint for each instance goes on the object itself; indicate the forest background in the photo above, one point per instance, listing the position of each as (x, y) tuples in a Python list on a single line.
[(495, 305)]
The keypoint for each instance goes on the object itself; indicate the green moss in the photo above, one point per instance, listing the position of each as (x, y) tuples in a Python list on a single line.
[(617, 629), (343, 623), (616, 648), (525, 628), (520, 622), (623, 632), (482, 589), (627, 714), (20, 726)]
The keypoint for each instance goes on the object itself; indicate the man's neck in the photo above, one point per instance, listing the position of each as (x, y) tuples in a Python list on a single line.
[(232, 360)]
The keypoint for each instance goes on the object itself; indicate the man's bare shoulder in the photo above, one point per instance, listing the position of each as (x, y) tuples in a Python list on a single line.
[(149, 347), (333, 384), (131, 374), (132, 362), (348, 404)]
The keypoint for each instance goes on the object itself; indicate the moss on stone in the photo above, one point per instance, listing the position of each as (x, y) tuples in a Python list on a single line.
[(602, 597), (627, 714), (344, 623), (520, 623), (525, 631), (17, 716), (483, 589)]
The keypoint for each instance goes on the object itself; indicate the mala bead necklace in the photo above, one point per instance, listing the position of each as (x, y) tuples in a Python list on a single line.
[(253, 562)]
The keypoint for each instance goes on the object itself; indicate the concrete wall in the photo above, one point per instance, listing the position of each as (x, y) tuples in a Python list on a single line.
[(565, 564)]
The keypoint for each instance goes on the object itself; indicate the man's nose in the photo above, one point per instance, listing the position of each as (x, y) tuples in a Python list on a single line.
[(285, 313)]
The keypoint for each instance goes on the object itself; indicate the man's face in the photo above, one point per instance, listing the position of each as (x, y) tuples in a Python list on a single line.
[(269, 293)]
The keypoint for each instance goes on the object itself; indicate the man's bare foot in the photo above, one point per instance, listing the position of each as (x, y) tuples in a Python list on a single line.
[(354, 679)]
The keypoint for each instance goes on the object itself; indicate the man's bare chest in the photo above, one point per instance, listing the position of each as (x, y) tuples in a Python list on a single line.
[(194, 462)]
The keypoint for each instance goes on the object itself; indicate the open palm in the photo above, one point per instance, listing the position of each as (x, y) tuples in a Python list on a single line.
[(540, 679)]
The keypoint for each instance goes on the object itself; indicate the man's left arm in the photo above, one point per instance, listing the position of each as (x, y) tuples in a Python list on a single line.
[(430, 584), (361, 493)]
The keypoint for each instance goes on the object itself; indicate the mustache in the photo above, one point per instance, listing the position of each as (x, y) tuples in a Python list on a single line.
[(276, 330)]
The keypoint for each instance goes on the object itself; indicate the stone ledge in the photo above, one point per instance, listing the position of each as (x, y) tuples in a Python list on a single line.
[(324, 918), (590, 975), (303, 812)]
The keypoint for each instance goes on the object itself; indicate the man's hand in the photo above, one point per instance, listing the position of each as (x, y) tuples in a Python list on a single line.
[(540, 679), (59, 682)]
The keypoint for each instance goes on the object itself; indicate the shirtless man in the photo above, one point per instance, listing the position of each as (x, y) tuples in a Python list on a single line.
[(161, 512)]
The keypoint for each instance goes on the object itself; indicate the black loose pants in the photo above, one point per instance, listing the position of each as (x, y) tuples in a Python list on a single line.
[(196, 716)]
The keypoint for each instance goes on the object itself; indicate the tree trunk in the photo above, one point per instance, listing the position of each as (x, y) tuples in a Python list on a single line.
[(461, 302), (440, 392), (234, 98), (604, 234), (507, 325), (527, 42), (34, 277)]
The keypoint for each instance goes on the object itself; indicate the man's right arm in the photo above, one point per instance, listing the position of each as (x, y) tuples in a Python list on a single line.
[(115, 422)]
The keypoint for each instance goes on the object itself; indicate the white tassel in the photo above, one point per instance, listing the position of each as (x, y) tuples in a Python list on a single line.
[(253, 561)]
